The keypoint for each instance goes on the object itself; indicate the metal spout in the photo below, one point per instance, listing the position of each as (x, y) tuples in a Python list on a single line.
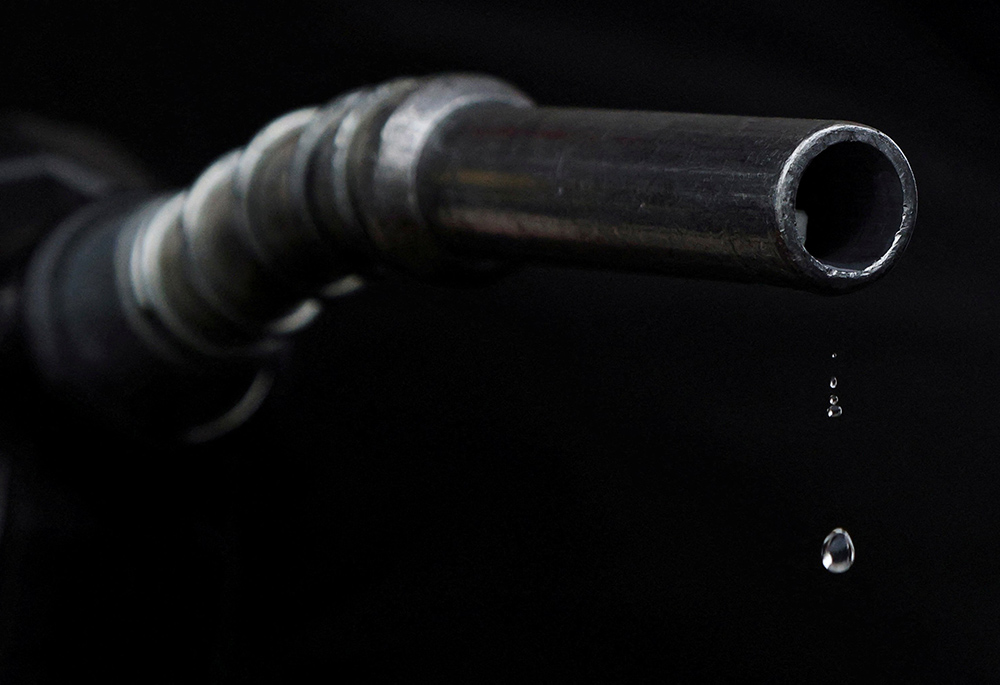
[(441, 176)]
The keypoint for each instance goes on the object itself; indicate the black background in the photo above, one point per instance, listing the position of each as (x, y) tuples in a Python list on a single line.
[(566, 474)]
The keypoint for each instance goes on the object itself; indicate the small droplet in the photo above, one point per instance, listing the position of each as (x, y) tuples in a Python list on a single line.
[(834, 411), (833, 382), (833, 356), (838, 551), (833, 399)]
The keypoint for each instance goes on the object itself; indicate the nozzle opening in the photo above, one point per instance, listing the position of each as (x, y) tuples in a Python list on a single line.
[(852, 198)]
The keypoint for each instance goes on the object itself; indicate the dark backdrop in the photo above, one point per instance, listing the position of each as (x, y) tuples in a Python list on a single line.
[(567, 474)]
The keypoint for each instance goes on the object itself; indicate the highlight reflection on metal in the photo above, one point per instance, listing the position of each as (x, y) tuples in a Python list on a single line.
[(436, 174)]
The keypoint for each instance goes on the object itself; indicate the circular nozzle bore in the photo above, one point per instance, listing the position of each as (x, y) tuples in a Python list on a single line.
[(846, 205)]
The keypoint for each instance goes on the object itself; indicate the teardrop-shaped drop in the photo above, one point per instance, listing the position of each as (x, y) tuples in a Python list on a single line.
[(833, 381), (838, 551)]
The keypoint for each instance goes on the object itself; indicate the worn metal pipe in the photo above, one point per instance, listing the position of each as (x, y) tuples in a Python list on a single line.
[(439, 175), (442, 175), (819, 205)]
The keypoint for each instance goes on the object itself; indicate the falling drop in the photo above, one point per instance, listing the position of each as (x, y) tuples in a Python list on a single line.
[(833, 382), (834, 411), (838, 551), (833, 399), (833, 356)]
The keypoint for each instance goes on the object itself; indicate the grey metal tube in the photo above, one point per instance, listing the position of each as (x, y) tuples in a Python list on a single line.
[(439, 175), (820, 205)]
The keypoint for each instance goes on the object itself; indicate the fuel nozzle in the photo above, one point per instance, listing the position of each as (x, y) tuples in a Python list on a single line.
[(140, 301)]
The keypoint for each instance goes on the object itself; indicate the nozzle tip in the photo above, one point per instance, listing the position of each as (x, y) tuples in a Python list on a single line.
[(846, 206)]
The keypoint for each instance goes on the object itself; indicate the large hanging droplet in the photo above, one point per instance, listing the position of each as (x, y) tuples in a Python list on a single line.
[(838, 551), (834, 411)]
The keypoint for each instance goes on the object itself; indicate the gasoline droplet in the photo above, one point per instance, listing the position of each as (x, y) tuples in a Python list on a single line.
[(834, 411), (833, 382), (838, 551), (833, 399), (833, 356)]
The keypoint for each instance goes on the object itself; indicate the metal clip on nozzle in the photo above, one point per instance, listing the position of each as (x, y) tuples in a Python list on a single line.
[(140, 301)]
